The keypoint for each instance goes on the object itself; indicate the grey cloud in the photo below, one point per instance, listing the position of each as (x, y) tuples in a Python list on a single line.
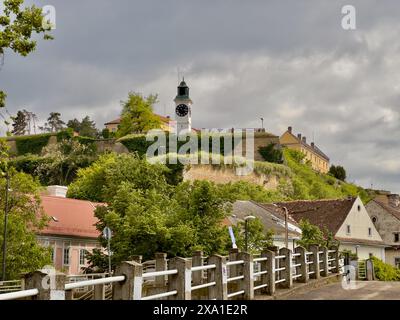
[(287, 61)]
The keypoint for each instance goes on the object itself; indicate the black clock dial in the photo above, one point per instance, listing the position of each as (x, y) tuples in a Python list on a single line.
[(182, 110)]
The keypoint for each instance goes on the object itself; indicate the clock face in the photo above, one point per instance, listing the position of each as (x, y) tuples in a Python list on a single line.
[(182, 110)]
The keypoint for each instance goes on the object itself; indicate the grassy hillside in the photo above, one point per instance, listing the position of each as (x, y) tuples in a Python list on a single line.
[(308, 184)]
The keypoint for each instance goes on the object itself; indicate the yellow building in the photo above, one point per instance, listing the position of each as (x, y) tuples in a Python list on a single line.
[(319, 160), (112, 126)]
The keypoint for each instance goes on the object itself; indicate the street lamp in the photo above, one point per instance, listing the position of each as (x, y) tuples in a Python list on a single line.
[(286, 225), (262, 123), (246, 231), (5, 226)]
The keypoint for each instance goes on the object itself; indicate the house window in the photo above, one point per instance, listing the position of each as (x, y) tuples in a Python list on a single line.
[(397, 262), (66, 257), (82, 257), (53, 254), (369, 232), (348, 229), (396, 237), (359, 208)]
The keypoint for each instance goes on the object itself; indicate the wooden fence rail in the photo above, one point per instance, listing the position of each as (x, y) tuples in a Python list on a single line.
[(238, 276)]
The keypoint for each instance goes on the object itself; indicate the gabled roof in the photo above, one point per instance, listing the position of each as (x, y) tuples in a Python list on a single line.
[(393, 211), (75, 218), (306, 145), (269, 218), (328, 214)]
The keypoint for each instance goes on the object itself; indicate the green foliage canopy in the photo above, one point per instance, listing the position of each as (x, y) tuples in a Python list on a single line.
[(137, 115)]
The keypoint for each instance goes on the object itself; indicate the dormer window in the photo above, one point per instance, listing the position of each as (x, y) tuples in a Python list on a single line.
[(374, 219)]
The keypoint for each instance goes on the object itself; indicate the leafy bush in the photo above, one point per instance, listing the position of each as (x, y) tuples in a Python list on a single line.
[(271, 154), (384, 271)]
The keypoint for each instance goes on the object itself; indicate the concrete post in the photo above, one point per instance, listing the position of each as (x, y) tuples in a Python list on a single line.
[(287, 263), (131, 288), (247, 284), (302, 260), (197, 260), (270, 289), (233, 256), (161, 265), (324, 260), (69, 294), (51, 286), (220, 276), (314, 258), (181, 282), (99, 292), (264, 267)]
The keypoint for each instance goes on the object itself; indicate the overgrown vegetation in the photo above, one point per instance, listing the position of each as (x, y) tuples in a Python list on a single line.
[(384, 271), (270, 153), (308, 184)]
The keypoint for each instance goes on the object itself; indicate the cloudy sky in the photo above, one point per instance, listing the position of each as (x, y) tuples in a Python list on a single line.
[(290, 62)]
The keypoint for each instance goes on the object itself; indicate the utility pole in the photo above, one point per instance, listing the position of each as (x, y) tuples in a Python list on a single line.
[(5, 227), (262, 123), (286, 228), (246, 232)]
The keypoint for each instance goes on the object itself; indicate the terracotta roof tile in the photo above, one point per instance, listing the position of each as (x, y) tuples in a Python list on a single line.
[(75, 218), (118, 120), (322, 213)]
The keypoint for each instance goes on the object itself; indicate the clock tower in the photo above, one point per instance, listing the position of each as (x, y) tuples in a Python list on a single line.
[(183, 113)]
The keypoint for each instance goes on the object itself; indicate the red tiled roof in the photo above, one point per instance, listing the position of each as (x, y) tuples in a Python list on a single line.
[(75, 217), (118, 120), (322, 213)]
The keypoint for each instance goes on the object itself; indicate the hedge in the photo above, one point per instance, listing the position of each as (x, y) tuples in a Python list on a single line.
[(137, 143), (32, 144)]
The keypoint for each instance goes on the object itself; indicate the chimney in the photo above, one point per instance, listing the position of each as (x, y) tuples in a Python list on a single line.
[(394, 200), (312, 145), (289, 129), (57, 191), (304, 139), (299, 136)]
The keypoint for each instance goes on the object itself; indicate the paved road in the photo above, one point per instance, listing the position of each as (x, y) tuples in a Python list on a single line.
[(368, 290)]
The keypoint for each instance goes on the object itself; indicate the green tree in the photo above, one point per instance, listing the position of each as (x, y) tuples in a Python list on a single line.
[(100, 181), (147, 214), (137, 115), (61, 161), (105, 133), (310, 234), (338, 172), (54, 123), (74, 124), (258, 237), (85, 128), (25, 218), (271, 153), (17, 28), (19, 124)]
